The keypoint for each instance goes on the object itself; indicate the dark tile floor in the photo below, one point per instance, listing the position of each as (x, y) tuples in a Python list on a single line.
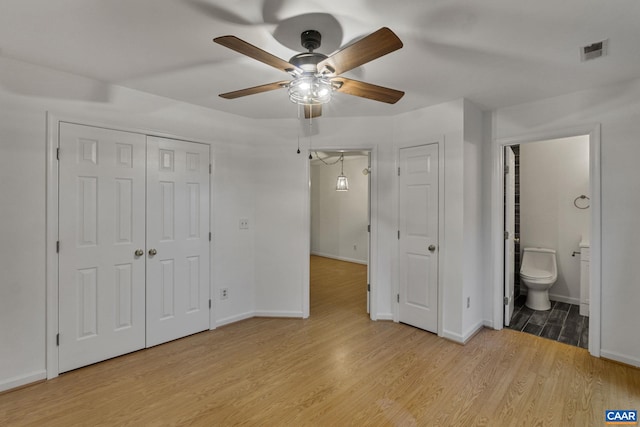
[(562, 322)]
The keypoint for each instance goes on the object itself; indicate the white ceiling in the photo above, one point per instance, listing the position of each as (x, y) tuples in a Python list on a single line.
[(493, 52)]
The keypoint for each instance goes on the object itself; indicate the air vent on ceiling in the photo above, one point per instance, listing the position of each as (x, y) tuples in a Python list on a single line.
[(594, 50)]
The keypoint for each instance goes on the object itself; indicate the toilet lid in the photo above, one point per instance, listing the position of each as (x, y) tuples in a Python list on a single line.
[(535, 273)]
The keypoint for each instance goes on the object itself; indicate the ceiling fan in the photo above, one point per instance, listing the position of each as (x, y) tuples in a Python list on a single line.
[(315, 75)]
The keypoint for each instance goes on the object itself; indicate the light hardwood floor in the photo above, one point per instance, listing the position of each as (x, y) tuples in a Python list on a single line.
[(336, 368)]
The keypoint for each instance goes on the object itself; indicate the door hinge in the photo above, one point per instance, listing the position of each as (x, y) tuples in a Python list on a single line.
[(58, 153), (506, 300), (209, 304), (210, 168), (58, 247), (398, 170), (368, 287), (368, 228), (398, 297), (506, 169), (57, 340), (398, 234), (209, 236), (506, 235)]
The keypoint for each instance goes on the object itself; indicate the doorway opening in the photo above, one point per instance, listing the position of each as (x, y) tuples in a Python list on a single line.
[(547, 193), (340, 224)]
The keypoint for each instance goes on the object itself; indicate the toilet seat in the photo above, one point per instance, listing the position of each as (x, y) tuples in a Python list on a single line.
[(535, 274)]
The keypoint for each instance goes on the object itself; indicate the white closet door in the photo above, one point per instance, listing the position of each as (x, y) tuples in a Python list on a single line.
[(102, 217), (418, 300), (177, 239)]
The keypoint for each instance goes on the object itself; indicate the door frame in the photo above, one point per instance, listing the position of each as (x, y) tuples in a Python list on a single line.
[(497, 222), (439, 141), (373, 234), (53, 121)]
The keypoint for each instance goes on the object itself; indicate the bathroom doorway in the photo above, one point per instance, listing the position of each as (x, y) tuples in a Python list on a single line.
[(547, 202)]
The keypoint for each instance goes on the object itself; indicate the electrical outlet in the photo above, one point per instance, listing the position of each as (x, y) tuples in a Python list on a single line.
[(468, 302), (244, 223), (224, 293)]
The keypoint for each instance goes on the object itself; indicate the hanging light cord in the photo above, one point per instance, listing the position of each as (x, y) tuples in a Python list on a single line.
[(329, 164)]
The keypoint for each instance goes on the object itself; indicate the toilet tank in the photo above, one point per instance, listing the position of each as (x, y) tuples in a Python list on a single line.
[(539, 259)]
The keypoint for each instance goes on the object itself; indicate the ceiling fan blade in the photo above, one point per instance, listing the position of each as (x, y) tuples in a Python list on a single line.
[(373, 46), (241, 46), (312, 111), (256, 89), (367, 90)]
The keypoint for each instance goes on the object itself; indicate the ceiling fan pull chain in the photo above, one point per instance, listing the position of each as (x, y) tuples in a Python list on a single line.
[(310, 130), (298, 127)]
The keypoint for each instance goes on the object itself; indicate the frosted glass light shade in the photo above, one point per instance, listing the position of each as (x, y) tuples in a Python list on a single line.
[(342, 184), (310, 90)]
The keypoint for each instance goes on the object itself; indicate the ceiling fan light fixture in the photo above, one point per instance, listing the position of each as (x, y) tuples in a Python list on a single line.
[(310, 90)]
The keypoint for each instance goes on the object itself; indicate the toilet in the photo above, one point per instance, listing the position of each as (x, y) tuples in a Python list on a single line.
[(538, 272)]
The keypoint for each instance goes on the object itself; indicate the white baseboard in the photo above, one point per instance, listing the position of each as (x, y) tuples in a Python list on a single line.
[(562, 298), (488, 324), (233, 319), (384, 316), (452, 336), (288, 314), (620, 358), (472, 331), (555, 297), (21, 380), (339, 258)]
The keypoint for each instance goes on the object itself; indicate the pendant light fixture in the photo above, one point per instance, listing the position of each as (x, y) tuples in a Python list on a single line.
[(342, 184)]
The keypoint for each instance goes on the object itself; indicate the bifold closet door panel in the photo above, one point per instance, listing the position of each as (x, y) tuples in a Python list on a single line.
[(177, 239), (102, 238)]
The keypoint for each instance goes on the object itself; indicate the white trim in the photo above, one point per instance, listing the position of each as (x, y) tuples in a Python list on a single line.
[(385, 316), (339, 258), (472, 331), (440, 141), (488, 324), (53, 121), (51, 213), (497, 219), (452, 336), (21, 380), (612, 355), (373, 235), (562, 298), (234, 319), (275, 313)]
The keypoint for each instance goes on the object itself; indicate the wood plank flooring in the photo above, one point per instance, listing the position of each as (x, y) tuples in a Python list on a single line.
[(336, 368)]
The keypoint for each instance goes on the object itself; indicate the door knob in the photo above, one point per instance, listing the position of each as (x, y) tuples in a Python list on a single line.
[(152, 252), (138, 252), (432, 248)]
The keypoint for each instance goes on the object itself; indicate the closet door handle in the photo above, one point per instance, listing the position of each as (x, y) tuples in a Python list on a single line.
[(432, 248), (152, 252), (138, 252)]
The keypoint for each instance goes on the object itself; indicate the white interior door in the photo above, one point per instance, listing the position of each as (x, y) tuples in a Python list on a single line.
[(510, 229), (102, 217), (418, 264), (177, 239)]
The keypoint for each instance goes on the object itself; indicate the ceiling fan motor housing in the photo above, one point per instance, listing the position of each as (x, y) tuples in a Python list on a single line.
[(311, 40)]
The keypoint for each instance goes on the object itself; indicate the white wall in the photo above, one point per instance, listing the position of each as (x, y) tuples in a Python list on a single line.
[(552, 174), (458, 125), (27, 92), (617, 109), (339, 219), (473, 248)]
